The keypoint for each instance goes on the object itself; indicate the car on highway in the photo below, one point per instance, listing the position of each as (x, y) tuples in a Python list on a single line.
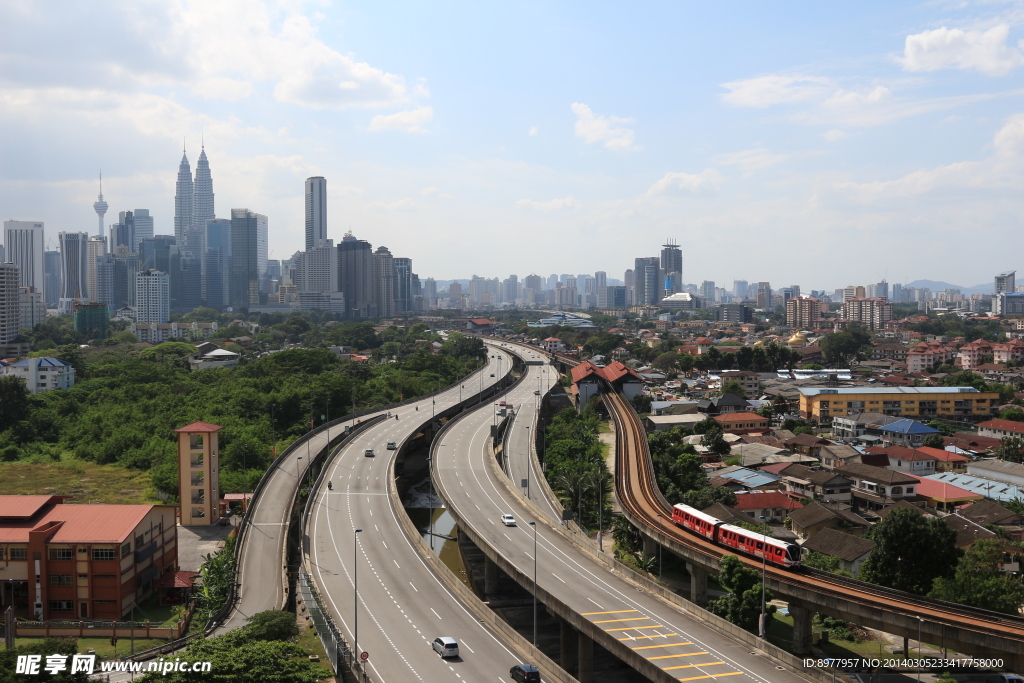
[(446, 647), (368, 453), (492, 374), (525, 673), (508, 520), (392, 446)]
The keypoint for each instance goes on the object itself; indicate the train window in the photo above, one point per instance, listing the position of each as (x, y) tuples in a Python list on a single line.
[(760, 546)]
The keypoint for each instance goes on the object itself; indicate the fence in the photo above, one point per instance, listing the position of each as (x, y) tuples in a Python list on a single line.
[(335, 645)]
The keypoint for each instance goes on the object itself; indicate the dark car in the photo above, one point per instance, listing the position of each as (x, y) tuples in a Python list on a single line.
[(525, 672)]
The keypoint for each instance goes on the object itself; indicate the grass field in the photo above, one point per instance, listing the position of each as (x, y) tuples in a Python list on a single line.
[(85, 482)]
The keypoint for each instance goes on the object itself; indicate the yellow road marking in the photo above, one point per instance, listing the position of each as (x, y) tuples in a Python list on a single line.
[(688, 654), (633, 628), (648, 647), (663, 635), (690, 666), (608, 621), (694, 678), (618, 611)]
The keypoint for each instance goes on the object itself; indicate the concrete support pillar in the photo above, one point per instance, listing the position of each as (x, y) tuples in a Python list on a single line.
[(698, 583), (566, 645), (585, 658), (650, 547), (490, 576), (801, 628), (906, 646)]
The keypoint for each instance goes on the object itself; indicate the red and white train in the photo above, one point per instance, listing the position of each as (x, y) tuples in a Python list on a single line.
[(774, 551)]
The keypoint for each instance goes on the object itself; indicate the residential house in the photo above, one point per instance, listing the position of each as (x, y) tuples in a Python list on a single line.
[(553, 345), (910, 433), (998, 470), (742, 479), (750, 381), (877, 487), (728, 514), (815, 517), (955, 403), (907, 460), (773, 506), (742, 423), (819, 484), (856, 424), (945, 461), (926, 355), (944, 496), (970, 443), (837, 455), (727, 403), (807, 444), (896, 352), (997, 429), (851, 550), (663, 423), (989, 512), (42, 374)]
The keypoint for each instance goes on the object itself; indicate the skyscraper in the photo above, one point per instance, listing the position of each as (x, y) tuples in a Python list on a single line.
[(317, 269), (96, 248), (648, 282), (10, 302), (202, 198), (143, 228), (183, 192), (430, 292), (51, 278), (1006, 282), (355, 275), (100, 206), (739, 288), (600, 279), (74, 252), (672, 262), (245, 227), (217, 263), (384, 283), (402, 273), (707, 290), (123, 232), (764, 296), (152, 297), (23, 242), (316, 211)]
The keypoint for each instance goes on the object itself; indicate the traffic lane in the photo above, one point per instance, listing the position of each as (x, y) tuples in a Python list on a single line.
[(578, 580), (520, 442)]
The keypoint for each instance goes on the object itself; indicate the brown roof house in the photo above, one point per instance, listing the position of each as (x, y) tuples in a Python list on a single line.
[(814, 517), (818, 484), (850, 550)]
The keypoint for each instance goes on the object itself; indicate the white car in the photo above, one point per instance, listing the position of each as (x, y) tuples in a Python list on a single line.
[(508, 520), (392, 446)]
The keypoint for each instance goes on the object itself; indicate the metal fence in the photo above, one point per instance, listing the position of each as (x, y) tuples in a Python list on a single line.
[(335, 645)]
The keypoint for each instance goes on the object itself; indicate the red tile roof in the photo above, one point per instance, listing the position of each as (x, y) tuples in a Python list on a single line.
[(741, 417), (1006, 425), (82, 523), (945, 456), (901, 452), (200, 427), (179, 579), (766, 499)]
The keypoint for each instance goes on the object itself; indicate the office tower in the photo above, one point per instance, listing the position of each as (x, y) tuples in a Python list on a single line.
[(2, 259), (787, 293), (1006, 282), (764, 295), (455, 295), (611, 297), (734, 313), (100, 206), (245, 275), (123, 232), (384, 283), (647, 283), (533, 283), (402, 274), (202, 196), (739, 288), (571, 281), (51, 278), (217, 263), (629, 279), (803, 312), (155, 253), (316, 211), (317, 269), (10, 302), (552, 281), (872, 313), (707, 290), (274, 268), (590, 284), (882, 289), (190, 283), (152, 297), (143, 228), (74, 252), (262, 244), (430, 292), (600, 279), (897, 293), (672, 262), (33, 308), (184, 189), (355, 275), (23, 246), (96, 248)]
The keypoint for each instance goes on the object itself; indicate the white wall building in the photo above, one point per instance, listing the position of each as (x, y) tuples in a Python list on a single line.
[(24, 246), (42, 374), (152, 297), (154, 333), (32, 306)]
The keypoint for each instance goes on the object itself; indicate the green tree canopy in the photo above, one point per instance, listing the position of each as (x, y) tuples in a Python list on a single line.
[(732, 387), (742, 604), (911, 551), (979, 580)]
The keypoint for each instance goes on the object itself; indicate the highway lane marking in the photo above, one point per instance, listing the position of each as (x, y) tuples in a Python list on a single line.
[(558, 577), (384, 544), (616, 611), (269, 523), (694, 678), (598, 606), (659, 635), (688, 654), (633, 628), (649, 647), (414, 587), (608, 621), (436, 614), (527, 554), (691, 666), (396, 563)]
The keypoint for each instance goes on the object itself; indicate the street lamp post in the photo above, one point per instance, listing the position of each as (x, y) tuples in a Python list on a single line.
[(355, 593), (764, 547), (534, 525), (529, 463), (430, 502), (298, 473), (920, 620), (659, 550), (600, 514)]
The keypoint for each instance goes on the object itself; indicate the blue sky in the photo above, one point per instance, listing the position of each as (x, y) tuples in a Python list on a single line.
[(821, 144)]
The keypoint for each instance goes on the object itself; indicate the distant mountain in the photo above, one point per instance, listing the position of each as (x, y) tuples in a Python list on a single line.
[(938, 286)]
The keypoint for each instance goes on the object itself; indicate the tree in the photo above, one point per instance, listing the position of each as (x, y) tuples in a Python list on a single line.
[(742, 604), (934, 441), (627, 537), (1015, 414), (15, 401), (911, 551), (666, 361), (170, 354), (980, 582), (1011, 448), (714, 441), (244, 661), (47, 646), (704, 498), (732, 387), (839, 348), (272, 625)]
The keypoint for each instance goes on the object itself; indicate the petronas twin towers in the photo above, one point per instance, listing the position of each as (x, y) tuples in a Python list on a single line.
[(193, 203)]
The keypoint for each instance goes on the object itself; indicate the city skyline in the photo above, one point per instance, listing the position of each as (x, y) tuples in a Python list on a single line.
[(809, 135)]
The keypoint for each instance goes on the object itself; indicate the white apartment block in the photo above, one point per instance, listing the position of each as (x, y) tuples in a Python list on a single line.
[(42, 374), (32, 306), (152, 297), (24, 246), (154, 333), (872, 313)]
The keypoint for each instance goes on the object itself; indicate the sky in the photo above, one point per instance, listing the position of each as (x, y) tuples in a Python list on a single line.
[(820, 144)]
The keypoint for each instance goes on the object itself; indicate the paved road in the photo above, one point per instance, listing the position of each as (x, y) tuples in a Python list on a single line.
[(402, 605), (684, 646)]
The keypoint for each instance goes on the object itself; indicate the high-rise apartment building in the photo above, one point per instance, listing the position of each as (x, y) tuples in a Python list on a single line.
[(600, 279), (152, 297), (672, 263), (33, 308), (245, 275), (707, 290), (384, 283), (533, 285), (629, 280), (1006, 282), (143, 228), (23, 246), (51, 278), (183, 192), (316, 211), (430, 292), (803, 312), (648, 285), (455, 295), (734, 313), (611, 297), (96, 248), (123, 232), (872, 313), (739, 289), (897, 293), (355, 275), (10, 301), (402, 274), (317, 269), (74, 253), (764, 295)]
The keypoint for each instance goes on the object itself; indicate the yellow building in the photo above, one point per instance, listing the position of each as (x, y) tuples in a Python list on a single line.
[(198, 473), (921, 403)]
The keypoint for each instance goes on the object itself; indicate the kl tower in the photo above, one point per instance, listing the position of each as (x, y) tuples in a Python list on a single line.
[(101, 207)]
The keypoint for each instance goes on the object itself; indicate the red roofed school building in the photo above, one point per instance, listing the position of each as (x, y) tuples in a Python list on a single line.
[(82, 561), (587, 379)]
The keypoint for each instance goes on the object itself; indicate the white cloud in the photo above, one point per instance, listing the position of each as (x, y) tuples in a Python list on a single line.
[(568, 202), (1009, 140), (435, 192), (411, 121), (765, 91), (403, 204), (751, 159), (599, 128), (834, 135), (943, 48), (846, 98), (533, 130), (705, 181)]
